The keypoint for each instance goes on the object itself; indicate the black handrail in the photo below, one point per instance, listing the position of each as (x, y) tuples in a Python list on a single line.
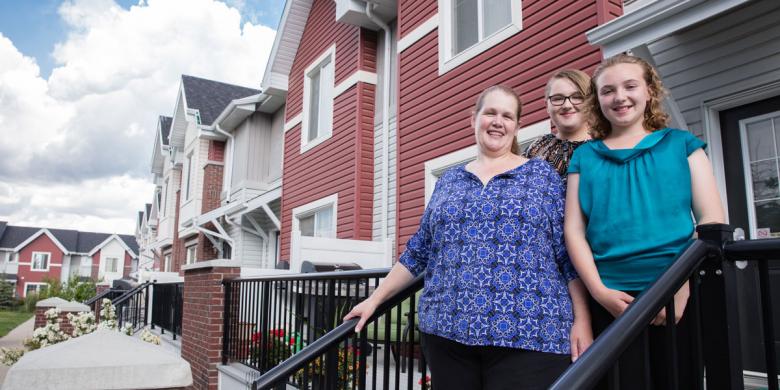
[(356, 274), (332, 338), (602, 354), (127, 295), (99, 296), (766, 249)]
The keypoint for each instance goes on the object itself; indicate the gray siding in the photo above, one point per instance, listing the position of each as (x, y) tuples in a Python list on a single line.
[(733, 52), (258, 147)]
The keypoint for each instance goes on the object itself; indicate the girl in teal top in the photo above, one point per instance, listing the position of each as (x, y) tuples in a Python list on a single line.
[(631, 193)]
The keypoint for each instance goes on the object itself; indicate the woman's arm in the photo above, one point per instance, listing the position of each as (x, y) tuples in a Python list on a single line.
[(581, 331), (582, 257), (707, 207), (398, 278)]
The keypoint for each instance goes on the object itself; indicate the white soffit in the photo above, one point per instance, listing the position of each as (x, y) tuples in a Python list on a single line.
[(288, 38)]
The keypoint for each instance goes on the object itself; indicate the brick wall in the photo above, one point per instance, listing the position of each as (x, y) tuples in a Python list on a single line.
[(212, 189), (202, 322), (40, 319)]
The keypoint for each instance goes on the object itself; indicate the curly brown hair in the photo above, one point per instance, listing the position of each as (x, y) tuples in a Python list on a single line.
[(655, 116)]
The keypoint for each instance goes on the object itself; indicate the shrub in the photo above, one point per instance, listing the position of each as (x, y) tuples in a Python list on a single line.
[(7, 299)]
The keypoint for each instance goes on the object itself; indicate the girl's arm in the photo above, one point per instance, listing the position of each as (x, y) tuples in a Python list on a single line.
[(581, 332), (707, 207), (582, 257)]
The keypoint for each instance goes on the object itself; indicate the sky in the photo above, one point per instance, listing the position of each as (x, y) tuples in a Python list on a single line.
[(82, 83)]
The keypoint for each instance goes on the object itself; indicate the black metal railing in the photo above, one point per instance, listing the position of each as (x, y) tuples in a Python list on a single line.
[(110, 294), (167, 305), (131, 307), (709, 265), (342, 359)]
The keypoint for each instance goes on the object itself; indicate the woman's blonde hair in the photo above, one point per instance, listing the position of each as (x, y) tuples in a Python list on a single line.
[(580, 79), (509, 92), (655, 117)]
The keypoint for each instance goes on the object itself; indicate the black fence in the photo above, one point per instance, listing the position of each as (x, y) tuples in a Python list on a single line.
[(709, 264), (270, 320), (131, 307), (111, 293), (167, 307)]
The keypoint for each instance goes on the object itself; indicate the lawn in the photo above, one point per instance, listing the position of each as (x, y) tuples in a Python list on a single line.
[(10, 319)]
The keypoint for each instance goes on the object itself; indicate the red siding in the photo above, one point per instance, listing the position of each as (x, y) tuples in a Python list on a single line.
[(320, 33), (95, 264), (342, 164), (128, 264), (412, 13), (26, 275), (434, 111), (608, 10)]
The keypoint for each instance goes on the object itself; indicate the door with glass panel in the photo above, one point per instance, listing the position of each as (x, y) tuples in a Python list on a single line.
[(751, 159)]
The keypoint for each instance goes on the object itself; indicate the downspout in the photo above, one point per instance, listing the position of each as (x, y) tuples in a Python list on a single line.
[(229, 170), (385, 116)]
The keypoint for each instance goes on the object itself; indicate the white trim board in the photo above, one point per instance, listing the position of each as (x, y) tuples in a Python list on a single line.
[(418, 33), (312, 207), (38, 234)]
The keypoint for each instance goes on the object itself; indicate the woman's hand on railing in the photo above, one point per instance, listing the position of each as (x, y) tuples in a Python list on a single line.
[(614, 301), (680, 301), (363, 310), (581, 338)]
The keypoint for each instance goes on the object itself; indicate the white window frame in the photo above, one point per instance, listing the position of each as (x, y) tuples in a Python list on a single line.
[(188, 178), (192, 245), (165, 197), (167, 262), (107, 261), (48, 262), (312, 208), (37, 287), (748, 173), (326, 124), (434, 168), (449, 60)]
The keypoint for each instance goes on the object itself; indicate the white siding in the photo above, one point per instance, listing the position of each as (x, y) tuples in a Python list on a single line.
[(377, 218), (258, 152), (733, 52)]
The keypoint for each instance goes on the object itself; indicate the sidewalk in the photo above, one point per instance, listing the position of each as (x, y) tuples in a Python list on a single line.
[(14, 339)]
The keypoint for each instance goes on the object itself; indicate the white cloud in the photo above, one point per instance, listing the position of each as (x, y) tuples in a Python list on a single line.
[(93, 120)]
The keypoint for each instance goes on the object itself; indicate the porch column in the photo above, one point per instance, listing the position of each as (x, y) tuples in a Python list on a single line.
[(202, 318)]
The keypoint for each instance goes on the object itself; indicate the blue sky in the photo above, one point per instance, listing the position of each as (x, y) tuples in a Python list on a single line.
[(35, 27), (77, 135)]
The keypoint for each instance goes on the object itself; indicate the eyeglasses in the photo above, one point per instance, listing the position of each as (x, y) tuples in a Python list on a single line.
[(558, 100)]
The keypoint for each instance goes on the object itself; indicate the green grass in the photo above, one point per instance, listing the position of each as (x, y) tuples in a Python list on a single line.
[(10, 319)]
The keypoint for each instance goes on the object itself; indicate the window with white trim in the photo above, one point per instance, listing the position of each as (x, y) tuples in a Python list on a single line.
[(188, 182), (318, 91), (36, 288), (167, 263), (191, 253), (40, 261), (111, 264), (469, 27), (164, 198), (318, 218)]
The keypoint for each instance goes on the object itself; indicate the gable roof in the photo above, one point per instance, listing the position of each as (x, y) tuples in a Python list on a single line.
[(148, 210), (211, 97), (286, 42), (3, 224), (70, 241), (165, 128), (15, 235), (42, 232)]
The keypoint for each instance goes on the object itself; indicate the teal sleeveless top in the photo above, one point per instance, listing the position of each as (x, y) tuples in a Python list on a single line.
[(637, 205)]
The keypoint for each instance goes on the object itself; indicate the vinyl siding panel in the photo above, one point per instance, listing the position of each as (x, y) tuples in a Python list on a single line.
[(733, 52), (412, 13), (257, 150), (434, 111)]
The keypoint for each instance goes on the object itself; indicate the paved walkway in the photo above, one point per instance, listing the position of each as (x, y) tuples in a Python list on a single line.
[(14, 339)]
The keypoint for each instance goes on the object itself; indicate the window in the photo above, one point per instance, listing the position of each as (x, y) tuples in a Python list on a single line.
[(167, 263), (191, 253), (317, 219), (469, 27), (227, 250), (318, 96), (40, 261), (36, 288), (164, 198), (112, 264), (189, 175), (761, 163)]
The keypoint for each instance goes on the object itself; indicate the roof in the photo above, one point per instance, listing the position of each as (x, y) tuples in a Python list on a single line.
[(211, 97), (148, 210), (2, 228), (165, 127), (72, 240), (140, 218)]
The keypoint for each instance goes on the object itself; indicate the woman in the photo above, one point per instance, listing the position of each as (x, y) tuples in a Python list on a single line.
[(495, 311), (630, 195), (565, 92)]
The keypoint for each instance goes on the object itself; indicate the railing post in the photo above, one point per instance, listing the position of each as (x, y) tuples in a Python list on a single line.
[(719, 315), (226, 321)]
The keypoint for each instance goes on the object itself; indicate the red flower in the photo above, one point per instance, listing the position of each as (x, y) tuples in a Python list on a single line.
[(292, 340), (276, 332), (427, 380), (257, 336)]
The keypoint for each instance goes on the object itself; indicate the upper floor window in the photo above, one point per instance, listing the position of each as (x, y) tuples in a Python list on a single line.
[(112, 264), (188, 182), (469, 27), (191, 253), (318, 86), (40, 261)]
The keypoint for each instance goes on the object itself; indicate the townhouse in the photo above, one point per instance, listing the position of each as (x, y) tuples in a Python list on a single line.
[(29, 256)]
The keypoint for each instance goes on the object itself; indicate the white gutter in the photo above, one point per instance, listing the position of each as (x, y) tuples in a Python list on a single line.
[(385, 117)]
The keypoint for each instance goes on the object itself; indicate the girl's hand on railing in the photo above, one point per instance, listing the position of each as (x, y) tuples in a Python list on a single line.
[(364, 310), (581, 338), (614, 301), (680, 301)]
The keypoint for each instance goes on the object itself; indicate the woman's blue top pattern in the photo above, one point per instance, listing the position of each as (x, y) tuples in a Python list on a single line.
[(495, 264)]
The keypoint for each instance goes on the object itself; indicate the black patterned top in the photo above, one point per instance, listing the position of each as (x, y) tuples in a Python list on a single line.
[(555, 151)]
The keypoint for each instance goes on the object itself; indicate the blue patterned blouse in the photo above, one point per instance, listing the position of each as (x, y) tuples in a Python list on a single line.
[(496, 268)]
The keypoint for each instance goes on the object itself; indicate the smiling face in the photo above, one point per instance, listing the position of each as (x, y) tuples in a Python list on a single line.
[(623, 96), (496, 123), (567, 118)]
